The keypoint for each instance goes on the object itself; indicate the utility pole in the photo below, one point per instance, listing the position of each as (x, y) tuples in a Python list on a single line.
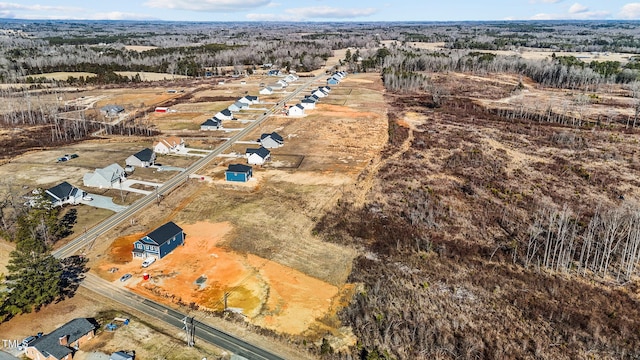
[(190, 329)]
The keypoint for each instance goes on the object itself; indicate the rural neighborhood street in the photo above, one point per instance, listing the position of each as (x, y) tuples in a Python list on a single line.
[(162, 312)]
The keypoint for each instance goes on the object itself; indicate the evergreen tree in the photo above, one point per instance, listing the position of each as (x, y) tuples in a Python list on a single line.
[(34, 274)]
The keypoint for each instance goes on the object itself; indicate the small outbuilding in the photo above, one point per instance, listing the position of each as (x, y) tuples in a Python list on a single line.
[(238, 173)]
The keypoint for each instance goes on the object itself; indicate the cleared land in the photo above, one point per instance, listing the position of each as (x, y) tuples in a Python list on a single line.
[(532, 53)]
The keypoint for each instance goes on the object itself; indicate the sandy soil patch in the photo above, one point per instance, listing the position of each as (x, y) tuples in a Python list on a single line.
[(201, 272), (151, 76), (139, 48)]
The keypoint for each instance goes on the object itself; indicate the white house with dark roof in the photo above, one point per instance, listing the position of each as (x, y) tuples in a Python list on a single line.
[(224, 115), (257, 156), (267, 90), (143, 158), (296, 110), (308, 103), (271, 141), (249, 100), (64, 193), (211, 124), (63, 342), (106, 177), (319, 93)]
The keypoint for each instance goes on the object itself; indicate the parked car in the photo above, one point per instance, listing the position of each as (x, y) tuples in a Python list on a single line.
[(61, 159), (125, 277), (87, 197), (148, 261)]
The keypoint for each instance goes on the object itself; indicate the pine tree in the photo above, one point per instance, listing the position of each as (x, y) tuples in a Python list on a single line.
[(34, 274)]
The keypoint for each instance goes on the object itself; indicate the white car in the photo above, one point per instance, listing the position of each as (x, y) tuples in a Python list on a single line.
[(148, 261), (87, 198)]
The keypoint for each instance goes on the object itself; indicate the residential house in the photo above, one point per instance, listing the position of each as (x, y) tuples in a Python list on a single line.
[(283, 83), (105, 177), (160, 242), (237, 106), (273, 72), (295, 110), (276, 86), (326, 89), (62, 343), (266, 91), (308, 103), (224, 115), (271, 141), (249, 100), (211, 124), (319, 93), (111, 110), (312, 97), (143, 158), (238, 173), (171, 144), (64, 193), (333, 81), (257, 156)]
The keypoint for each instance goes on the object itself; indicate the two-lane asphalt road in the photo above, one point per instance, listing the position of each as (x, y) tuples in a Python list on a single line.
[(203, 331)]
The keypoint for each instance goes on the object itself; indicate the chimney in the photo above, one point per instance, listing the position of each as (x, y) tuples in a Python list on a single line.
[(64, 340)]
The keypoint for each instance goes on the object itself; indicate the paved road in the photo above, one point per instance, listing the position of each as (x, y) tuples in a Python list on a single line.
[(168, 315), (175, 318)]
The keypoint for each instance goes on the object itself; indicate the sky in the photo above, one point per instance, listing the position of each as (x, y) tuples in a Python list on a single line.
[(321, 10)]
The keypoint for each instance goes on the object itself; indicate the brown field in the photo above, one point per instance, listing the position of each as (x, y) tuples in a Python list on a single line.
[(151, 76), (139, 48), (532, 53)]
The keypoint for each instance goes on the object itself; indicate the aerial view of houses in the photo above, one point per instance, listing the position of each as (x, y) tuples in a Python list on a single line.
[(280, 180)]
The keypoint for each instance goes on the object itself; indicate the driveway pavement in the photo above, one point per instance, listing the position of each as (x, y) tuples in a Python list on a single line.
[(103, 202)]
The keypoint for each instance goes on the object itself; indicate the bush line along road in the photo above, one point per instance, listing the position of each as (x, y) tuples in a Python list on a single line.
[(161, 312)]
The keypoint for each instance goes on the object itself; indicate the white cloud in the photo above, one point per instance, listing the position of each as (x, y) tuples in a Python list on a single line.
[(208, 5), (630, 11), (13, 6), (578, 8), (331, 12)]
